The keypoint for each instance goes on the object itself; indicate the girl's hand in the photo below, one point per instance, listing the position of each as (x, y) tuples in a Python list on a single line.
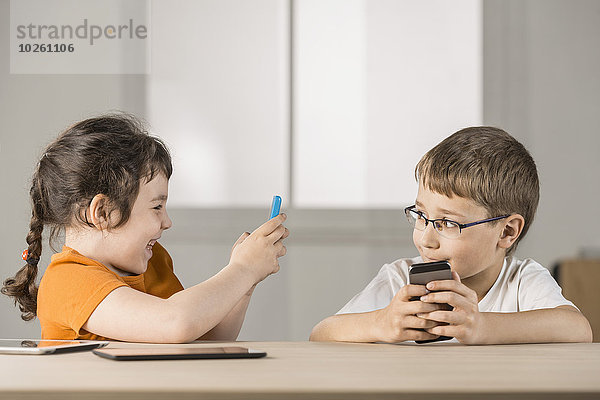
[(464, 322), (398, 321), (257, 252), (240, 240)]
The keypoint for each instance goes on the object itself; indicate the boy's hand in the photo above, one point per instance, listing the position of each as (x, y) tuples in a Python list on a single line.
[(398, 321), (464, 321), (257, 252)]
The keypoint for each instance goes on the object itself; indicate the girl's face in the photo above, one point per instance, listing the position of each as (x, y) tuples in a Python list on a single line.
[(129, 247)]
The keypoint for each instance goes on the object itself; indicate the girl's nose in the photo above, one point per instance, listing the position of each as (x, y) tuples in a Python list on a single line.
[(167, 223)]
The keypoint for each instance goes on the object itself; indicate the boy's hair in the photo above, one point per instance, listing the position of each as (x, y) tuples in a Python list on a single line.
[(488, 166), (110, 155)]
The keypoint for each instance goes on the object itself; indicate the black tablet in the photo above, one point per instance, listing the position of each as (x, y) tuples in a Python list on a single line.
[(178, 353), (37, 346)]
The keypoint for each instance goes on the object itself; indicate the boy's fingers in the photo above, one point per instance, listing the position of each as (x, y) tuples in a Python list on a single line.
[(450, 285), (418, 307), (409, 291), (268, 227), (455, 276), (443, 330), (449, 317), (454, 299), (418, 334), (416, 322)]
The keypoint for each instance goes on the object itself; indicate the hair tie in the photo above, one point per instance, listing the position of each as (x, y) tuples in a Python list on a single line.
[(30, 260)]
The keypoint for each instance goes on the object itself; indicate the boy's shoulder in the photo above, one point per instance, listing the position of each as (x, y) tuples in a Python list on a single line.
[(523, 284), (516, 268), (397, 270), (404, 263)]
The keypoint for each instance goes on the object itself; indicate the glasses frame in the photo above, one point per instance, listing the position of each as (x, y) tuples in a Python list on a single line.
[(408, 209)]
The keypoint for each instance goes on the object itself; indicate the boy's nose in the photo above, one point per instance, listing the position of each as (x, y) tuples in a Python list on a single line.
[(429, 237)]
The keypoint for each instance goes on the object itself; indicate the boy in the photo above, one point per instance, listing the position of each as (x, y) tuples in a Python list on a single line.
[(478, 192)]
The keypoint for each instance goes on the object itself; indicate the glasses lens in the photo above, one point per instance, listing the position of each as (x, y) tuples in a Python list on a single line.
[(415, 219), (446, 228)]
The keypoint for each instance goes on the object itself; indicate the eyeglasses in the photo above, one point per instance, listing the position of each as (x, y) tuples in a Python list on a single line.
[(445, 227)]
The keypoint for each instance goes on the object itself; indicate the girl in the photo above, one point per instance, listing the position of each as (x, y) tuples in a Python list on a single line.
[(104, 181)]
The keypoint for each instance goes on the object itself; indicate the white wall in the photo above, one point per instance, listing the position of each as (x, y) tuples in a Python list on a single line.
[(219, 95), (541, 83), (542, 79), (367, 75)]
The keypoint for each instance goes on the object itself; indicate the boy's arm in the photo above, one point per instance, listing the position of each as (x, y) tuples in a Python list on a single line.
[(468, 325), (560, 324), (361, 327), (395, 323)]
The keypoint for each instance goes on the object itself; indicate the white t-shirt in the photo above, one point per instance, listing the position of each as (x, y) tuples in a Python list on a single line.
[(522, 285)]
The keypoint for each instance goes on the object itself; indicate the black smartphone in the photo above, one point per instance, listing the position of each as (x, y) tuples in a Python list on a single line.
[(178, 353), (422, 274)]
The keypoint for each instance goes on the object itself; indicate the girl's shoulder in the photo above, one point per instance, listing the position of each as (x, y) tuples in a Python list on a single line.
[(70, 267), (70, 256)]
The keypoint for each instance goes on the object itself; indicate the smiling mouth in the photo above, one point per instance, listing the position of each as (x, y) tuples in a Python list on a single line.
[(151, 243)]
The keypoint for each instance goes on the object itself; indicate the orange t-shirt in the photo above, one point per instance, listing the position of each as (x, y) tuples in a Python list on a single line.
[(73, 286)]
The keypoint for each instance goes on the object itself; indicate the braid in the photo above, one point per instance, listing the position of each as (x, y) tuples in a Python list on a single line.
[(23, 285)]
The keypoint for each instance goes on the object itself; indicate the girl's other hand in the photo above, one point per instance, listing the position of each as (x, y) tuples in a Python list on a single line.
[(257, 252)]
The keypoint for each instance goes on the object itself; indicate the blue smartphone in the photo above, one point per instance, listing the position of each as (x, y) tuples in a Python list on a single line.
[(275, 207)]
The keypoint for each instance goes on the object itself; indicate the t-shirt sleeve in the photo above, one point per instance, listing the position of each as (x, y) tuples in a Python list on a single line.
[(538, 289), (72, 292), (378, 293)]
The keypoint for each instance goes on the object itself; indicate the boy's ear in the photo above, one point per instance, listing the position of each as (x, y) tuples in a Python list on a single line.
[(97, 212), (513, 226)]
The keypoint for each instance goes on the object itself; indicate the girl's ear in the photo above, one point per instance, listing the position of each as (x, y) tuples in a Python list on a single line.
[(97, 212), (513, 226)]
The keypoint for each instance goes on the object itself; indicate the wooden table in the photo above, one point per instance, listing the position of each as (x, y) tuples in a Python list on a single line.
[(295, 370)]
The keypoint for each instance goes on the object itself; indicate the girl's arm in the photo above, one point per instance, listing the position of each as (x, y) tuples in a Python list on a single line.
[(229, 328), (130, 315)]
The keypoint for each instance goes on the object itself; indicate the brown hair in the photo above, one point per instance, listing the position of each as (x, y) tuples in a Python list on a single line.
[(108, 155), (488, 166)]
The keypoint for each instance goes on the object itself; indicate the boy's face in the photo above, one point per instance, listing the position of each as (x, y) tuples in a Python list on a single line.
[(474, 251), (131, 245)]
